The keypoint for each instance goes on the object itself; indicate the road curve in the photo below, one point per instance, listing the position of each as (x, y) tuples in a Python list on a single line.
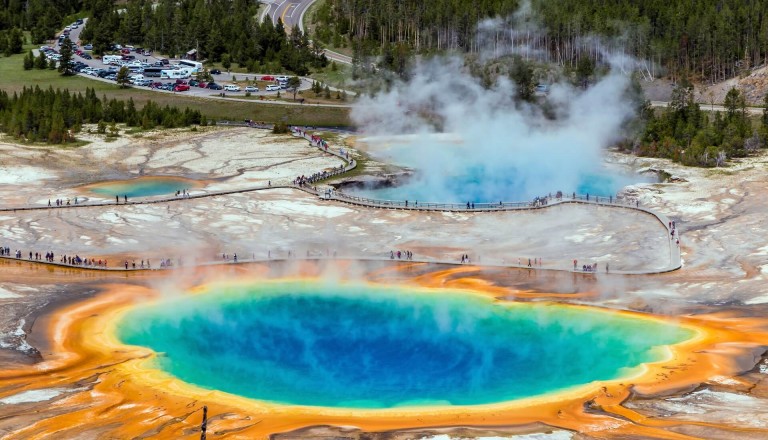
[(292, 13)]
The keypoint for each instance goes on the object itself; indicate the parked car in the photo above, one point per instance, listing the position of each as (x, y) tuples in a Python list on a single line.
[(267, 78), (181, 87), (202, 85), (194, 82), (272, 87), (251, 89), (156, 85), (281, 78), (215, 72), (168, 86), (232, 88), (88, 46), (214, 86), (86, 56)]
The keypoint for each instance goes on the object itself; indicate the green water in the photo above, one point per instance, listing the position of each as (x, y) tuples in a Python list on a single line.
[(360, 346), (141, 187)]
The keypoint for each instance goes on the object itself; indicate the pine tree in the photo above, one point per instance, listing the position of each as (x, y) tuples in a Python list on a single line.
[(41, 62), (65, 68), (122, 77), (29, 61), (16, 41)]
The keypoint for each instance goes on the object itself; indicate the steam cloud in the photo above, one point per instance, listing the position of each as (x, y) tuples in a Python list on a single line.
[(482, 139)]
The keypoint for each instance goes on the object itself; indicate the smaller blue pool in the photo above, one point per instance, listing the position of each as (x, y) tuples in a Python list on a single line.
[(142, 186)]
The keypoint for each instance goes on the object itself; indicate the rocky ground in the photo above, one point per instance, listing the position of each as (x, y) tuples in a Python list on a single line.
[(720, 213)]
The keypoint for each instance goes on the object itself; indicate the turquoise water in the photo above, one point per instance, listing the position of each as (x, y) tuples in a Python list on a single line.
[(376, 347), (475, 185), (141, 187)]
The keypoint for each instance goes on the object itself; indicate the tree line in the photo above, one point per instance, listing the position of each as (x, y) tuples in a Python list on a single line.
[(55, 116), (43, 18), (219, 30), (705, 39), (685, 133)]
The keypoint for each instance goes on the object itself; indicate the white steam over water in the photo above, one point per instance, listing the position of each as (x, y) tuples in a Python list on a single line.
[(505, 151)]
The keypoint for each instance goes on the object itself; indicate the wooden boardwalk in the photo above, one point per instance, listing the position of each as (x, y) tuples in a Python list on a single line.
[(329, 195)]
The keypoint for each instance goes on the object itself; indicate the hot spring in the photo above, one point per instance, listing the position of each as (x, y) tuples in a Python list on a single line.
[(142, 186), (450, 169), (475, 186), (367, 346)]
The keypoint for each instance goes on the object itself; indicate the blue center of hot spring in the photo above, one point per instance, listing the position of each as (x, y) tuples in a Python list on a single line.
[(362, 346), (476, 185), (142, 187)]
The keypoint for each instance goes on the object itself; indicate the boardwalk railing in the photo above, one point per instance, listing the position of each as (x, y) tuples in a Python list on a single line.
[(675, 261)]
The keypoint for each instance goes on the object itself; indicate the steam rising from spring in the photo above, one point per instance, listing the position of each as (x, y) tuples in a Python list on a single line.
[(506, 144)]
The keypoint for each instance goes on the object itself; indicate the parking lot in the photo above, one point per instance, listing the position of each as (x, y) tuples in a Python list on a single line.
[(224, 84)]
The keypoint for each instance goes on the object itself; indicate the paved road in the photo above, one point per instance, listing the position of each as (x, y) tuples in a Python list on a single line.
[(710, 107), (292, 13)]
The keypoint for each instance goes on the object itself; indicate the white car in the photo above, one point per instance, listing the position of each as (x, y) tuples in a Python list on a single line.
[(272, 87), (281, 78), (251, 89), (232, 88)]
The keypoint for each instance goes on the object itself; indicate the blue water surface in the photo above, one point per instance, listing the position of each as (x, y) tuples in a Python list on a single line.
[(141, 187), (476, 186), (361, 346)]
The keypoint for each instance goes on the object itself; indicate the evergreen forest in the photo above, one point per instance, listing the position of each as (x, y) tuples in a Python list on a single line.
[(705, 39), (55, 116)]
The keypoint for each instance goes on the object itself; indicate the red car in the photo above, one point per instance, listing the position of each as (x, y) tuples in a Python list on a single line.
[(181, 87), (202, 85), (268, 78)]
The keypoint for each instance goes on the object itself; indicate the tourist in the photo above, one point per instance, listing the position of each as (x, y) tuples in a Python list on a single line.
[(49, 202), (125, 196), (126, 264), (574, 264), (117, 200)]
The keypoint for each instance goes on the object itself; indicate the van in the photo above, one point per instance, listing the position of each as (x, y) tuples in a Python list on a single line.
[(174, 74), (272, 87), (111, 59)]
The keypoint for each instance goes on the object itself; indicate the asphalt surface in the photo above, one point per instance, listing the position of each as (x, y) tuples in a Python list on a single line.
[(292, 13)]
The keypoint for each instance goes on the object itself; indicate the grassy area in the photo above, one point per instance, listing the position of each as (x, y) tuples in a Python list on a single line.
[(13, 78), (340, 78)]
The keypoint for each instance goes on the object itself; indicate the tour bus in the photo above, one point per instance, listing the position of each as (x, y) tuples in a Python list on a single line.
[(153, 72), (196, 66), (111, 59), (174, 74)]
